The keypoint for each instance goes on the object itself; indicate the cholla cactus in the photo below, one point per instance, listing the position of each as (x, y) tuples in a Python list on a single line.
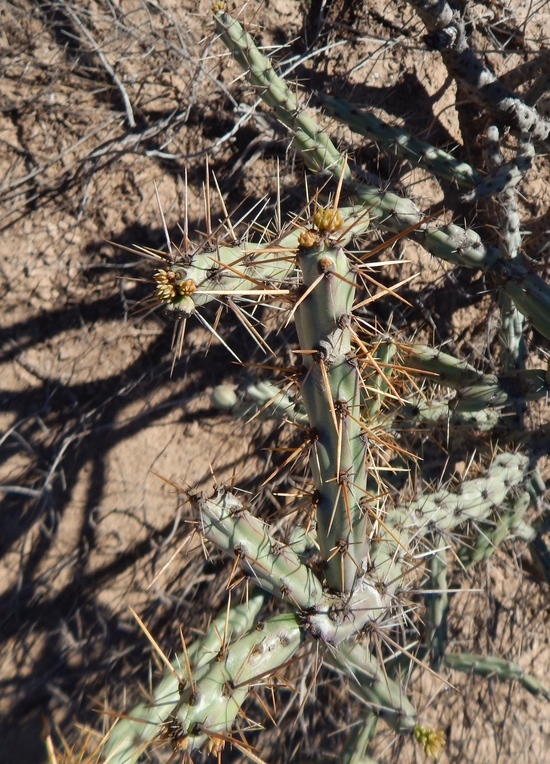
[(351, 387)]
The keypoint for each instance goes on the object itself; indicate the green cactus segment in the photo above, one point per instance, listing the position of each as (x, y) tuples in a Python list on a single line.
[(214, 701), (376, 381), (443, 510), (449, 370), (437, 603), (512, 329), (331, 393), (311, 141), (503, 390), (273, 565), (492, 666), (129, 737), (370, 683), (418, 412), (531, 295), (506, 177), (355, 749), (397, 141), (261, 398), (473, 500), (511, 334), (228, 270), (508, 524), (476, 391)]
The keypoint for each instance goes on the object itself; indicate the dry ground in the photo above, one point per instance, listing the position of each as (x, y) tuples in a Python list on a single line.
[(104, 106)]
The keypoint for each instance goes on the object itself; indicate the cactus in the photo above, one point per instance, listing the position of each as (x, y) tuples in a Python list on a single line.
[(130, 736), (345, 576), (497, 667)]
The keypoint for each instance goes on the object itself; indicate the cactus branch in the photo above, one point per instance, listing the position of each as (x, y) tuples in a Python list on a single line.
[(130, 735), (497, 667), (331, 383), (396, 140), (447, 34)]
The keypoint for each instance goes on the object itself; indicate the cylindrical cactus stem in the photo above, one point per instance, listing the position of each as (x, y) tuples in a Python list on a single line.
[(331, 391), (371, 684), (418, 411), (493, 666), (512, 328), (437, 602), (531, 295), (396, 140), (208, 708), (474, 499), (310, 139), (242, 269), (129, 737), (263, 399), (511, 389), (507, 523), (376, 378), (444, 368), (475, 390), (274, 566), (511, 334), (506, 177)]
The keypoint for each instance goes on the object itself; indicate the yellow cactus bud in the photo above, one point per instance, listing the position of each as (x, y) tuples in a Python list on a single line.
[(328, 219), (218, 6), (432, 741), (166, 290), (307, 239), (186, 287), (172, 285)]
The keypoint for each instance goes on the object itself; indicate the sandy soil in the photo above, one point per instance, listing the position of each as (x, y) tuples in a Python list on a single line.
[(108, 111)]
